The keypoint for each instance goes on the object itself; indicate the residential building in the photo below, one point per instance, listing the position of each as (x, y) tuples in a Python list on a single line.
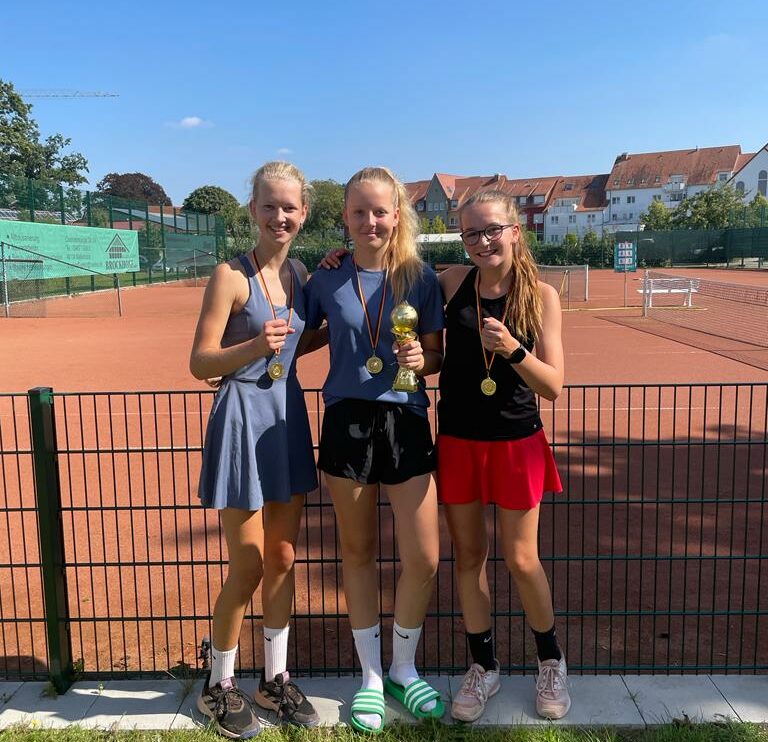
[(578, 205), (638, 179), (751, 174)]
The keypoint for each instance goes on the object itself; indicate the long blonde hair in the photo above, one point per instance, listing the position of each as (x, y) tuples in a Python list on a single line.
[(524, 304), (402, 259), (279, 170)]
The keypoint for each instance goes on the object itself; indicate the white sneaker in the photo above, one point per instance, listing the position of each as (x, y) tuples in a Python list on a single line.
[(479, 685), (552, 697)]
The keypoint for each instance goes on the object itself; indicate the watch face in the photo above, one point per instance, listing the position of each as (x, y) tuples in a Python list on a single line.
[(517, 355)]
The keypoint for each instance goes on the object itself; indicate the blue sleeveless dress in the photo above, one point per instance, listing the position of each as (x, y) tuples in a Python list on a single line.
[(258, 446)]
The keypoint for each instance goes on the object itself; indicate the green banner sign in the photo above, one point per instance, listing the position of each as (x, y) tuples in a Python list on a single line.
[(67, 251)]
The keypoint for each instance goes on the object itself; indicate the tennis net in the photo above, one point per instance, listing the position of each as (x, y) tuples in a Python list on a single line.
[(727, 310)]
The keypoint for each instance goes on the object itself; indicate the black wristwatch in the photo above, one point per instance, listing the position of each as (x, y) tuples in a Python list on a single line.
[(518, 354)]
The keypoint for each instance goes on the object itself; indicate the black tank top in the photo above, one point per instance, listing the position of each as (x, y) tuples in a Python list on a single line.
[(463, 410)]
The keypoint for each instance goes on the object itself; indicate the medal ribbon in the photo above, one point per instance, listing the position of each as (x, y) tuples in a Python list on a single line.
[(269, 298), (361, 295), (488, 363)]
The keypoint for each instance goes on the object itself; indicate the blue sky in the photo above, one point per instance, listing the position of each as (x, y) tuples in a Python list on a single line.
[(209, 91)]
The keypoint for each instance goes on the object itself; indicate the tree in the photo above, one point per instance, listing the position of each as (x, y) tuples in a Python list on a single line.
[(571, 249), (327, 206), (425, 226), (135, 186), (211, 199), (656, 216), (709, 209), (438, 226), (591, 249), (23, 154)]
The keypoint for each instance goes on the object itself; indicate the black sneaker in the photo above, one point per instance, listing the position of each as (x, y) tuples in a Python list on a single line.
[(231, 710), (285, 697)]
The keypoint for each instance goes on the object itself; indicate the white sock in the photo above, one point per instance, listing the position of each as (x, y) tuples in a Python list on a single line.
[(222, 664), (368, 645), (275, 651), (403, 667)]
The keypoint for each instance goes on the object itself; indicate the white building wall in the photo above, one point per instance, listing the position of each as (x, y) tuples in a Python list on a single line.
[(562, 220), (750, 173)]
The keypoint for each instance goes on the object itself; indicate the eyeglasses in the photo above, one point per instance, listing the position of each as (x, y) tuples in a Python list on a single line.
[(492, 233)]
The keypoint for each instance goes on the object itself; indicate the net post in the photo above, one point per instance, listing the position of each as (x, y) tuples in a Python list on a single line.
[(6, 303), (116, 280), (646, 292), (52, 557), (568, 285), (586, 281)]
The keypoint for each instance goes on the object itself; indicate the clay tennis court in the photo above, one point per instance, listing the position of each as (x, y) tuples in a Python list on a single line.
[(144, 563)]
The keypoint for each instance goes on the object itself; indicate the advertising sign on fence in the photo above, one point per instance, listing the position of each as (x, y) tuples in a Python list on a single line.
[(65, 250)]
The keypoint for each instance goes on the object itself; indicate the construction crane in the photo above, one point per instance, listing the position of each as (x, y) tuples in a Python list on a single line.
[(66, 94)]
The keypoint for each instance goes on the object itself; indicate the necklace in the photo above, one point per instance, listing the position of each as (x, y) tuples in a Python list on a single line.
[(374, 364), (275, 368), (488, 385)]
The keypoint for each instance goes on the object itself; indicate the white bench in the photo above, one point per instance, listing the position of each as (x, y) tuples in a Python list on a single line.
[(687, 286)]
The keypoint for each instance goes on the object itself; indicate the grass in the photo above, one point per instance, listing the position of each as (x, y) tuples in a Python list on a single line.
[(427, 732)]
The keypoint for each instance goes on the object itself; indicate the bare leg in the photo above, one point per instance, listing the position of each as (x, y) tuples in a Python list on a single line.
[(518, 530), (244, 534), (281, 530), (355, 507), (470, 545)]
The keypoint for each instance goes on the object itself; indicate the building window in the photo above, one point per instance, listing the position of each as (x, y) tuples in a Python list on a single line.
[(615, 200), (631, 215), (616, 182), (630, 199), (615, 218), (676, 196), (722, 177), (538, 218), (554, 219), (569, 186), (538, 199), (571, 219), (642, 180), (762, 182), (740, 187), (657, 197), (590, 217), (454, 203), (657, 179), (453, 221), (420, 206), (429, 207), (630, 181)]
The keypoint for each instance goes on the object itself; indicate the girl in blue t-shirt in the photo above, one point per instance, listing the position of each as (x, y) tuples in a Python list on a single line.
[(374, 436)]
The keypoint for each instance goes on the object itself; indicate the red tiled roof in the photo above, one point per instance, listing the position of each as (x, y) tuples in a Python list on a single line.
[(700, 166), (742, 160), (589, 189), (417, 190)]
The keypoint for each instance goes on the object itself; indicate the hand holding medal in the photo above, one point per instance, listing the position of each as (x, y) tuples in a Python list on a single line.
[(276, 329)]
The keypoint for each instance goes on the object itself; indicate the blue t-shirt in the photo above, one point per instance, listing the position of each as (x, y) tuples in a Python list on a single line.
[(333, 295)]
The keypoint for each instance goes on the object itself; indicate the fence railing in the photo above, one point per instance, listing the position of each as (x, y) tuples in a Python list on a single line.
[(656, 550)]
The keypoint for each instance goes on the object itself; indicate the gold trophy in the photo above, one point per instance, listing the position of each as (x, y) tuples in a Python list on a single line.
[(404, 319)]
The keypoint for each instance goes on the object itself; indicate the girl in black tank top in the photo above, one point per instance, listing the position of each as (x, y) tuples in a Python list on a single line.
[(491, 445)]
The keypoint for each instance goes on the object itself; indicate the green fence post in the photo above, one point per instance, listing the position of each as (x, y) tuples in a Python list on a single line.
[(88, 208), (46, 469)]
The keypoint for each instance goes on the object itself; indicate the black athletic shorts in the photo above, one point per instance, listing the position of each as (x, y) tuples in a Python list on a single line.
[(375, 442)]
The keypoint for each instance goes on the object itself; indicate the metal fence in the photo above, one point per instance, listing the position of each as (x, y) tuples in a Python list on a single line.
[(656, 550), (163, 254)]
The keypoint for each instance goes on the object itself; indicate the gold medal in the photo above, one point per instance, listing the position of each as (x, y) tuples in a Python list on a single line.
[(488, 386), (275, 370), (374, 365)]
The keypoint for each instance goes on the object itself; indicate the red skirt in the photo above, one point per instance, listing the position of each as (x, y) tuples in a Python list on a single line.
[(511, 474)]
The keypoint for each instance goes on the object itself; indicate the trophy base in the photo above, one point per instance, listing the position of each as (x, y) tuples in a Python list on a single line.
[(405, 381)]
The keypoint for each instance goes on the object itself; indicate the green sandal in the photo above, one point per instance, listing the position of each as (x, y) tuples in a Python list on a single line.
[(415, 696), (367, 702)]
